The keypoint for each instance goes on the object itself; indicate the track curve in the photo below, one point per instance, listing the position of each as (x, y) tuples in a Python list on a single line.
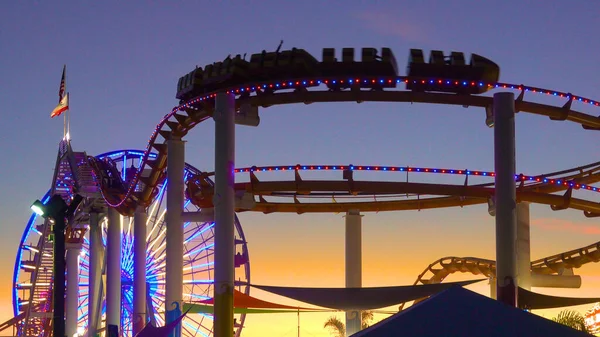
[(198, 109), (536, 189), (438, 270)]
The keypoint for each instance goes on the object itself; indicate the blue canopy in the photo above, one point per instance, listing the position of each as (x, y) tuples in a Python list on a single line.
[(459, 312)]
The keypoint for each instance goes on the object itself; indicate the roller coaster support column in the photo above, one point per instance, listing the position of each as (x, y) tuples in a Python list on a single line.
[(224, 117), (113, 270), (174, 248), (353, 266), (58, 308), (72, 304), (139, 269), (523, 246), (506, 220), (96, 258)]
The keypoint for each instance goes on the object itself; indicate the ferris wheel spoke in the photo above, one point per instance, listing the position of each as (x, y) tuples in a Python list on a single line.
[(199, 232), (191, 318), (196, 296), (153, 266), (196, 328), (209, 253), (84, 267), (198, 248), (156, 215), (160, 269), (160, 235), (197, 262), (156, 222), (198, 272)]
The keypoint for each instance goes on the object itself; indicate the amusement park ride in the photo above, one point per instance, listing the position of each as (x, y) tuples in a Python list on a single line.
[(130, 273)]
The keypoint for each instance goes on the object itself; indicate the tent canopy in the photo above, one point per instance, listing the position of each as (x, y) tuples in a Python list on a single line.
[(245, 304), (460, 312)]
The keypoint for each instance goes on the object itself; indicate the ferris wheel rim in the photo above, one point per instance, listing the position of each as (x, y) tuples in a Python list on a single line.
[(189, 169)]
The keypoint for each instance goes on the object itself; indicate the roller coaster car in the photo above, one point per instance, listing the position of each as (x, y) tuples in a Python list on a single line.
[(279, 66), (372, 68), (454, 68), (219, 75), (200, 192), (189, 84)]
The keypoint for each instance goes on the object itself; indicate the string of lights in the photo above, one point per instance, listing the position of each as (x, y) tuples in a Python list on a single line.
[(518, 177), (358, 82)]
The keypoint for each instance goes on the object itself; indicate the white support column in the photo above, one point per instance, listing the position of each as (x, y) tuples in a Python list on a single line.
[(493, 286), (505, 198), (139, 269), (224, 200), (174, 247), (353, 266), (72, 297), (113, 269), (96, 258), (523, 246)]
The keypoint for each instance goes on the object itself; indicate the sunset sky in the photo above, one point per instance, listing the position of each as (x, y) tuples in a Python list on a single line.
[(124, 60)]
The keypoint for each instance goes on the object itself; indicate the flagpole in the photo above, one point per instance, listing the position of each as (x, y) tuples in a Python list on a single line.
[(68, 117), (65, 125), (68, 113)]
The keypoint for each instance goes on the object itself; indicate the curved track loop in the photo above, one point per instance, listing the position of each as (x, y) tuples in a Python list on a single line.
[(125, 197), (437, 271), (536, 189), (571, 259)]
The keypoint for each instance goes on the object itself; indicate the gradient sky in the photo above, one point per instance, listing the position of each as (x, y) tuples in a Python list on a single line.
[(124, 60)]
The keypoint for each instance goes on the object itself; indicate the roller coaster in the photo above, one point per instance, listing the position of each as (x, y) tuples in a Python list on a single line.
[(295, 76)]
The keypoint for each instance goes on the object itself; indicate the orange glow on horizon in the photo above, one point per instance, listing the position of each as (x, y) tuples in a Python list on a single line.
[(308, 250)]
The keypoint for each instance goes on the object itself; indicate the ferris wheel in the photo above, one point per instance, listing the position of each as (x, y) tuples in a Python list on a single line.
[(197, 270)]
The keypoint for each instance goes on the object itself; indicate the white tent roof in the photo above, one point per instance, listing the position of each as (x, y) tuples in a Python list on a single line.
[(459, 312)]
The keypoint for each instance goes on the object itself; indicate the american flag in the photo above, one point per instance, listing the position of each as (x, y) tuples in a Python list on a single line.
[(63, 97), (61, 91)]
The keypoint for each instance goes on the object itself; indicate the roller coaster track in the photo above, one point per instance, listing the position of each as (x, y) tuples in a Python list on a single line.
[(530, 188), (437, 271), (199, 109)]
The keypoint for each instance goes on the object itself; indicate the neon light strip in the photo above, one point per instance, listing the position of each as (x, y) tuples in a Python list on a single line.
[(388, 80), (518, 177)]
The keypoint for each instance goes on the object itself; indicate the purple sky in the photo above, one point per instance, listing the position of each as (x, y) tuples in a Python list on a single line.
[(124, 60)]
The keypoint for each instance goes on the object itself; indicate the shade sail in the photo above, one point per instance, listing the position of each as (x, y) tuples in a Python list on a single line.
[(209, 309), (360, 298), (241, 300), (530, 300)]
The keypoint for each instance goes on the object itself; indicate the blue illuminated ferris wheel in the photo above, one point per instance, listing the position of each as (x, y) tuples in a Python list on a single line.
[(197, 270)]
